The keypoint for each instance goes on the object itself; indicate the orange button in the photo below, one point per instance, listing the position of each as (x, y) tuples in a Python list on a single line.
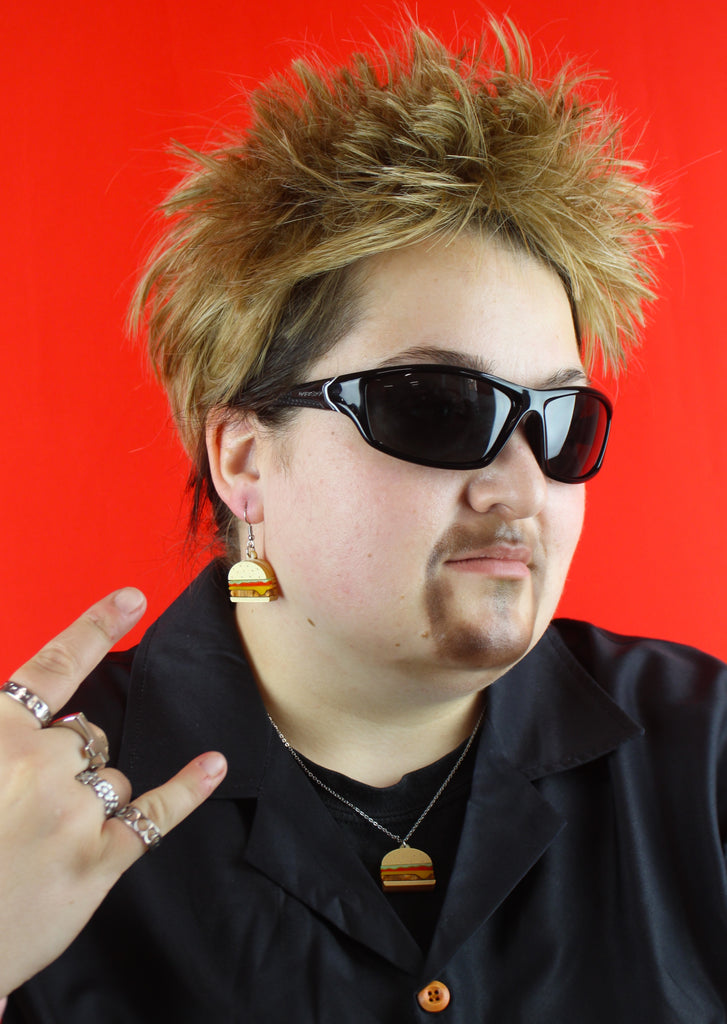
[(434, 997)]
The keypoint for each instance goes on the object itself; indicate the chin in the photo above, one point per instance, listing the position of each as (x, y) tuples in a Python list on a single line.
[(503, 631), (484, 648)]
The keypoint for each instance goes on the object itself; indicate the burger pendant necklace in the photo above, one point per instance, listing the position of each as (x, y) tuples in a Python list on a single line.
[(403, 869)]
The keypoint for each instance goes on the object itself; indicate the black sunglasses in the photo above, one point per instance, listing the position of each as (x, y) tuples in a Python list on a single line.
[(452, 418)]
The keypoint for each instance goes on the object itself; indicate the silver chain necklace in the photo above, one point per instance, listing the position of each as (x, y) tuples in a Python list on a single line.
[(405, 867)]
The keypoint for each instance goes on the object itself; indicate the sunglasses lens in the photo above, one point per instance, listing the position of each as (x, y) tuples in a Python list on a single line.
[(576, 429), (431, 415)]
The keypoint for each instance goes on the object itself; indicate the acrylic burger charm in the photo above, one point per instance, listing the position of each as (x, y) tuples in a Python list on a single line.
[(252, 579)]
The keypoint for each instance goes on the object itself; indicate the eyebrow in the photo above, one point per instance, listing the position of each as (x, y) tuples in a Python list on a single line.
[(568, 376)]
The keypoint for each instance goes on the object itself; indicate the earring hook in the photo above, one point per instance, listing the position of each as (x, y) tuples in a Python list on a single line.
[(250, 551)]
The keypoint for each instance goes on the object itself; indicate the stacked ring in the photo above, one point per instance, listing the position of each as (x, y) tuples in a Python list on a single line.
[(37, 707), (144, 827), (96, 748), (102, 788)]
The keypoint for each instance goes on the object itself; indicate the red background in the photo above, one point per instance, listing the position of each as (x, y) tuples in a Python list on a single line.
[(92, 476)]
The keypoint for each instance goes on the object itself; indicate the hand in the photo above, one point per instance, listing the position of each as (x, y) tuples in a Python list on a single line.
[(59, 854)]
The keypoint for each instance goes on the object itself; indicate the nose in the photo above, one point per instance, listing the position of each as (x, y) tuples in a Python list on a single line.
[(513, 485)]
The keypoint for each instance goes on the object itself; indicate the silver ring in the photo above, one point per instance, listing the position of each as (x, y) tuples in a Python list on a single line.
[(96, 746), (144, 827), (102, 788), (28, 699)]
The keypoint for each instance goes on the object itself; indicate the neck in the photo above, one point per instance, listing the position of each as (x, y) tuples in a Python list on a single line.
[(370, 722)]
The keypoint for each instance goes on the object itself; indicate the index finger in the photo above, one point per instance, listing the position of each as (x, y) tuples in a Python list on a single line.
[(57, 670)]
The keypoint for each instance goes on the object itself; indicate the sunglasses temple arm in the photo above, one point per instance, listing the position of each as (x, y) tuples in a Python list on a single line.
[(310, 396)]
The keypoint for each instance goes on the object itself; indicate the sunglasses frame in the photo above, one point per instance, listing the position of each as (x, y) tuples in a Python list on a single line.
[(524, 401)]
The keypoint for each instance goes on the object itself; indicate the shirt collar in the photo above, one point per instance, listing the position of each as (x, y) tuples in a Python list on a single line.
[(190, 673), (550, 714)]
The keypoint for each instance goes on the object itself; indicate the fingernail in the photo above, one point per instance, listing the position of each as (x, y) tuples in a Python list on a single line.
[(213, 765), (129, 600)]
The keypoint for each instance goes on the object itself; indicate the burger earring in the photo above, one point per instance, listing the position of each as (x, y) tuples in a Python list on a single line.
[(252, 579)]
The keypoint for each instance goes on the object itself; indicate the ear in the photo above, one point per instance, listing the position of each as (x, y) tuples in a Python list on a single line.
[(232, 449)]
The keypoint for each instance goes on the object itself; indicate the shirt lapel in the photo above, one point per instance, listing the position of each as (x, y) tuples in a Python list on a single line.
[(190, 673), (546, 715), (295, 842)]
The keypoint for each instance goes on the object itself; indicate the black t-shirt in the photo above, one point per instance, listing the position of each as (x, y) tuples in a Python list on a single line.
[(397, 807)]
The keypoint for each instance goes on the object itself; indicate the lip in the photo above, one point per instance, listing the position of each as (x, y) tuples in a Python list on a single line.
[(503, 561)]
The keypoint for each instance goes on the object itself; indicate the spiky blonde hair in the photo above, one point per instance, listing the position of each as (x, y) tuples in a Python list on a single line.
[(255, 277)]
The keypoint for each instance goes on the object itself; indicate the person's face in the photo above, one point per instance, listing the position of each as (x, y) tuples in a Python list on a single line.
[(404, 564)]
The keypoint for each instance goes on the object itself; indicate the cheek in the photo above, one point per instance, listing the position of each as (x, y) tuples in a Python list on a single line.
[(335, 527), (349, 530), (566, 524)]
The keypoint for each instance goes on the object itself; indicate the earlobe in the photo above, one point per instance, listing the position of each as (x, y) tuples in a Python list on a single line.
[(232, 449)]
